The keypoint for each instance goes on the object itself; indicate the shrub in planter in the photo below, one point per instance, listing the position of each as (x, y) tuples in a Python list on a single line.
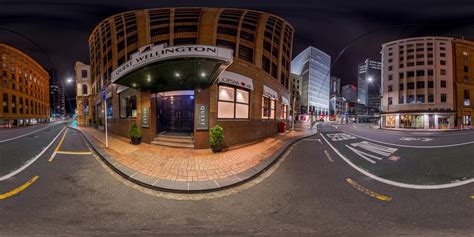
[(216, 138), (135, 134)]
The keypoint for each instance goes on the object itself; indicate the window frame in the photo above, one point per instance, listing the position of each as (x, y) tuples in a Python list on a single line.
[(235, 102)]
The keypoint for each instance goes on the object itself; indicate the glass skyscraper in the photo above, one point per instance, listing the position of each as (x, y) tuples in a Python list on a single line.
[(313, 65)]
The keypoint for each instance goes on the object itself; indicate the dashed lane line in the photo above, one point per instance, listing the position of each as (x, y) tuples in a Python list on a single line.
[(393, 183), (74, 152), (27, 164), (328, 156), (19, 189), (367, 191)]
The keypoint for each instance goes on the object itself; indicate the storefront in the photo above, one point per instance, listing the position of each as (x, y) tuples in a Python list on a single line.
[(424, 120)]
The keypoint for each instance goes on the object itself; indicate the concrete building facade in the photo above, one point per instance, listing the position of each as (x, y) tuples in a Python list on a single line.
[(83, 94), (464, 81)]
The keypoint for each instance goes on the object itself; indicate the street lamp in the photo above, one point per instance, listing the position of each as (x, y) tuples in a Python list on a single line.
[(370, 79)]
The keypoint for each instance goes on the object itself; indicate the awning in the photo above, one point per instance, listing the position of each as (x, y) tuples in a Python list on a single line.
[(267, 91), (285, 100), (159, 68), (236, 80)]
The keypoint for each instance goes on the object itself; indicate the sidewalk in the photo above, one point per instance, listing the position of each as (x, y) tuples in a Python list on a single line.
[(189, 170)]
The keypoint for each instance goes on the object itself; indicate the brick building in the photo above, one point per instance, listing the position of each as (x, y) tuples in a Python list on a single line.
[(180, 71), (24, 89)]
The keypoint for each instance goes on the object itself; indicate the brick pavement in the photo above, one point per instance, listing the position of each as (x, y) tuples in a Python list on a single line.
[(191, 165)]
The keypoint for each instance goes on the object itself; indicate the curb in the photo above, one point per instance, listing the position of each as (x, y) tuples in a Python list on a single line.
[(184, 186)]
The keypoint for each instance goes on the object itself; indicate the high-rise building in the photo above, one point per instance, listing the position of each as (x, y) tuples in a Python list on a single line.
[(418, 83), (349, 92), (24, 89), (313, 65), (335, 87), (56, 95), (83, 94), (368, 84), (464, 81)]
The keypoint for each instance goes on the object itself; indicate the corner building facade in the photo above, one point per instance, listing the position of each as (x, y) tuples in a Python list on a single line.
[(180, 71), (418, 83), (24, 89)]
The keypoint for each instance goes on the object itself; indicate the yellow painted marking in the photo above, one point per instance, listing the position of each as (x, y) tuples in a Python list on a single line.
[(59, 145), (368, 192), (75, 152), (328, 156), (472, 197), (19, 189)]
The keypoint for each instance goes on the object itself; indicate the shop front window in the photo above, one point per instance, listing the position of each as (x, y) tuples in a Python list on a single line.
[(390, 121), (284, 111), (411, 121), (268, 108), (109, 108), (128, 104), (233, 103), (467, 118)]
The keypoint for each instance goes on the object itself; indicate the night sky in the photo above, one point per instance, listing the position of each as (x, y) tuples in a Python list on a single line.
[(62, 27)]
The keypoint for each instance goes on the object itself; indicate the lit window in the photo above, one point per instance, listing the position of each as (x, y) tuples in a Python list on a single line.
[(268, 108), (233, 103), (128, 104), (284, 111)]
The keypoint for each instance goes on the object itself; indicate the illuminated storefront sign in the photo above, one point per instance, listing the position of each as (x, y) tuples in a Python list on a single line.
[(151, 53), (236, 80)]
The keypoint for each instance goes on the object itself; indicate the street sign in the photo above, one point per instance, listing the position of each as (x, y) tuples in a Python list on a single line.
[(104, 94)]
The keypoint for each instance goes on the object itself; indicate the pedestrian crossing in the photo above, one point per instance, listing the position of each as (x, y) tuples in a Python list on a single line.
[(370, 151)]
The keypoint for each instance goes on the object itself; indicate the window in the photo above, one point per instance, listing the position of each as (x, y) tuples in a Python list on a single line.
[(443, 98), (430, 98), (420, 84), (420, 99), (411, 99), (226, 31), (268, 108), (420, 73), (411, 85), (442, 62), (443, 72), (21, 105), (284, 111), (188, 28), (400, 75), (390, 99), (400, 99), (128, 103), (233, 103), (401, 86), (443, 83), (430, 84), (430, 72), (390, 88), (84, 73), (13, 104), (184, 41), (390, 77), (390, 68), (84, 89), (410, 74), (5, 102), (466, 79), (266, 64), (466, 69), (246, 53)]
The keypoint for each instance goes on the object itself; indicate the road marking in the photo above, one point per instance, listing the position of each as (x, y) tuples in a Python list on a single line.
[(27, 164), (19, 189), (312, 139), (363, 155), (421, 139), (74, 152), (340, 136), (328, 156), (472, 197), (400, 145), (393, 183), (59, 145), (375, 148), (24, 135), (367, 191)]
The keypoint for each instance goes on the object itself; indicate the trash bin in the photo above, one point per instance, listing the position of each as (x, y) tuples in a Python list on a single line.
[(281, 126)]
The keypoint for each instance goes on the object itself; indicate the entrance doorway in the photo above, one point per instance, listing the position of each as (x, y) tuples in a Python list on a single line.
[(175, 112)]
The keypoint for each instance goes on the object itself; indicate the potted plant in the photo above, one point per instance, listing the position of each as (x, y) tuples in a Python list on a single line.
[(216, 138), (135, 134), (101, 125)]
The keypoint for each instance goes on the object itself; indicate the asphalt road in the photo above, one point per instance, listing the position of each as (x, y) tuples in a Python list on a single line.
[(307, 193)]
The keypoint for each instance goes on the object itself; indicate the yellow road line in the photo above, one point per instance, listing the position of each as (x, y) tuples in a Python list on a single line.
[(328, 156), (59, 145), (74, 152), (19, 189), (367, 191), (472, 197)]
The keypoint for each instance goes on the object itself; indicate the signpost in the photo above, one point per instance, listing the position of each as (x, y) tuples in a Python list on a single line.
[(145, 117), (104, 94)]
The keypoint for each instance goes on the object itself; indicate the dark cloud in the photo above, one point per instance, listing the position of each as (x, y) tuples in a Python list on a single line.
[(62, 27)]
